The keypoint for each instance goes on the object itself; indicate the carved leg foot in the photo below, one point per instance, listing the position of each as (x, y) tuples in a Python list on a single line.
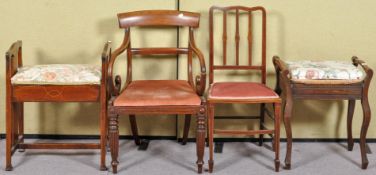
[(114, 141), (276, 165), (200, 137)]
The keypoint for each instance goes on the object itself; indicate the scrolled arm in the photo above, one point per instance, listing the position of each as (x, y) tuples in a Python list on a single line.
[(200, 79), (356, 61), (282, 75), (114, 85)]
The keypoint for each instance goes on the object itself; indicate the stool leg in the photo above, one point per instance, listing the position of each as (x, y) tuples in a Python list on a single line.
[(277, 123), (114, 141), (363, 132), (21, 124), (287, 121), (103, 134), (9, 134), (210, 136), (350, 114), (200, 137), (187, 124)]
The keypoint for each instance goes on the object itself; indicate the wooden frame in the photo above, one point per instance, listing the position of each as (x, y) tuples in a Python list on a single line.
[(17, 94), (250, 66), (161, 18), (291, 90)]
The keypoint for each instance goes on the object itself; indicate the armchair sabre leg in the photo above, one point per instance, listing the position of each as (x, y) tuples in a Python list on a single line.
[(114, 141), (200, 137)]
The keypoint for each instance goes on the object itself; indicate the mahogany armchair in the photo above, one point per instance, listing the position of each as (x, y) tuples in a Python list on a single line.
[(325, 80), (241, 92), (51, 83), (154, 97)]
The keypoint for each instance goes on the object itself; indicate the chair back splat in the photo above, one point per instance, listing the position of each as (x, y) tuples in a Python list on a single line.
[(239, 10)]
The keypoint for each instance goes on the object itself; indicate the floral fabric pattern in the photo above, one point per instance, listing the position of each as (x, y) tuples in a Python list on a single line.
[(58, 74), (324, 70)]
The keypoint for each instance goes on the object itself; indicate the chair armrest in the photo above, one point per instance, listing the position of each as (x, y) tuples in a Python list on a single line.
[(356, 61), (282, 75), (13, 59), (106, 55), (369, 74), (200, 79), (114, 85)]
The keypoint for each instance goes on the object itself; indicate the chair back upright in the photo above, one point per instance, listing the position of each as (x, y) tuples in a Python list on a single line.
[(224, 65)]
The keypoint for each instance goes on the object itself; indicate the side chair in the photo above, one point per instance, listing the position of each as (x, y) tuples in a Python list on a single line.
[(245, 92)]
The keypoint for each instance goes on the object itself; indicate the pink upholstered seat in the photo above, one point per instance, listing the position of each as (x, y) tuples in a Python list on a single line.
[(240, 90), (158, 93)]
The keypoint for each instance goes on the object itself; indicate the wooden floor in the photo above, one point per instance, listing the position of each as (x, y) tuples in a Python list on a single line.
[(167, 157)]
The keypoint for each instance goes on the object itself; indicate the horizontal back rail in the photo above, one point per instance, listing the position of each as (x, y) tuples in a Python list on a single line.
[(159, 51), (158, 18)]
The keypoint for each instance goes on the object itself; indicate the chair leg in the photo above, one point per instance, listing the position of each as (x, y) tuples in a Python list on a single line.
[(114, 141), (277, 124), (210, 136), (9, 134), (200, 137), (187, 124), (363, 132), (287, 122), (103, 134), (262, 120), (350, 114), (132, 120)]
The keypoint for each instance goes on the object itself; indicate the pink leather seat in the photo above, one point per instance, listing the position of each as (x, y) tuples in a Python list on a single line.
[(158, 93), (240, 90)]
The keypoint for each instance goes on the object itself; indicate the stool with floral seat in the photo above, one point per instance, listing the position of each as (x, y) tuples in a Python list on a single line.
[(51, 83), (325, 80)]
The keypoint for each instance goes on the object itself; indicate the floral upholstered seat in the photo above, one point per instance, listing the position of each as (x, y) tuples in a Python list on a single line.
[(318, 72), (58, 74)]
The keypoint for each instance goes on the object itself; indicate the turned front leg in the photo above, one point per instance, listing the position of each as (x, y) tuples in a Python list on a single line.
[(114, 141), (200, 138)]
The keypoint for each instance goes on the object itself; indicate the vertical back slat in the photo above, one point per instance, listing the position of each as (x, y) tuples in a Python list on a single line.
[(263, 46), (250, 38), (224, 36), (237, 37)]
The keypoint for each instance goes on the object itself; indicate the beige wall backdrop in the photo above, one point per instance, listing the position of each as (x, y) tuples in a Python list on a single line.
[(73, 31)]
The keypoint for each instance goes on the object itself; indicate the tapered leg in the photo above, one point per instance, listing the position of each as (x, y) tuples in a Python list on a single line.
[(114, 141), (187, 124), (103, 136), (200, 137), (350, 114), (210, 136), (262, 120), (287, 121), (277, 124), (132, 120), (21, 124), (9, 134), (363, 132)]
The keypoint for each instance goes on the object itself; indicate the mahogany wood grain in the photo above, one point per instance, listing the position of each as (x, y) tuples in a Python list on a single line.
[(357, 91), (158, 18), (212, 102), (161, 18), (17, 94)]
